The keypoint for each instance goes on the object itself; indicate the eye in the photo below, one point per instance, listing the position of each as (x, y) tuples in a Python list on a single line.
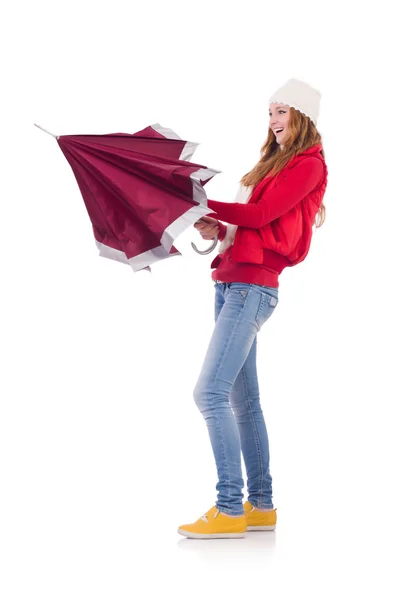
[(280, 110)]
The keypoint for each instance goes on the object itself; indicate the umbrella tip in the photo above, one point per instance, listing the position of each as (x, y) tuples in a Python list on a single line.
[(42, 128)]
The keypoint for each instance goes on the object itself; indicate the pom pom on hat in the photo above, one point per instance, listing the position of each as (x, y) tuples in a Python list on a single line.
[(299, 95)]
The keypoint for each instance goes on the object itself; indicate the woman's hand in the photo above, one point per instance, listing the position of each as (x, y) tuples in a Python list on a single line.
[(208, 227)]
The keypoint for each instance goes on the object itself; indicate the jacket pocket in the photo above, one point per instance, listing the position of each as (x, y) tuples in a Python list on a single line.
[(215, 262)]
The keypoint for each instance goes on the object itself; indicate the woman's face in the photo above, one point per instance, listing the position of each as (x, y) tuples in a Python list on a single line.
[(279, 117)]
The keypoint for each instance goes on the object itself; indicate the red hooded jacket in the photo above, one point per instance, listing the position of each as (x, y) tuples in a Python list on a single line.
[(275, 226)]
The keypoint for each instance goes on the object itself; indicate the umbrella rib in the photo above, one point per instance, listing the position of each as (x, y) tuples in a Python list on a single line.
[(108, 153), (148, 179)]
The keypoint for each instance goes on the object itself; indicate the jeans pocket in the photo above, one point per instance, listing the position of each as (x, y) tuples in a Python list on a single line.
[(241, 289), (266, 308)]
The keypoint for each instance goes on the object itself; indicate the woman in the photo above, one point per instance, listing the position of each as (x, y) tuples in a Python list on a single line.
[(269, 228)]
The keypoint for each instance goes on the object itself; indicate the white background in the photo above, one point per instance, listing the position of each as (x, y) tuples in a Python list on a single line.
[(103, 451)]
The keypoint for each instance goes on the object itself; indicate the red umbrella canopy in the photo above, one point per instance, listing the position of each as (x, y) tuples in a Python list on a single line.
[(140, 190)]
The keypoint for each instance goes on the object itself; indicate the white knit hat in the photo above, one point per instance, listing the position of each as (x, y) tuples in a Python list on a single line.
[(301, 96)]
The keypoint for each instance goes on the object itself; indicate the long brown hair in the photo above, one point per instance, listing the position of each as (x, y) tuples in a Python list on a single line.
[(303, 134)]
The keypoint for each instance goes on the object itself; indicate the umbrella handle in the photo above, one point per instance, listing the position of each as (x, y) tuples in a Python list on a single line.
[(210, 249)]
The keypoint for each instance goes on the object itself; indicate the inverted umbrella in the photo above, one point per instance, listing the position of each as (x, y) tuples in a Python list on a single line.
[(140, 191)]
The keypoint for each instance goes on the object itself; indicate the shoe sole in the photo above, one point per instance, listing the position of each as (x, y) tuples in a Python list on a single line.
[(261, 528), (207, 536)]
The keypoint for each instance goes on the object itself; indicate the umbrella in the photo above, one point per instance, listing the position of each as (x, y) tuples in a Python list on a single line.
[(140, 191)]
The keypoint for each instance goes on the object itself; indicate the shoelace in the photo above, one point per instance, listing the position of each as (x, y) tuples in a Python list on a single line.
[(205, 518)]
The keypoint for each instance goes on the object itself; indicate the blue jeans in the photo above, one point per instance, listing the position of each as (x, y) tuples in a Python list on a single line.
[(227, 395)]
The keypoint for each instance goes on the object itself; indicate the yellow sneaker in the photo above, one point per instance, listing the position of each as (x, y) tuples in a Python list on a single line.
[(215, 524), (258, 520)]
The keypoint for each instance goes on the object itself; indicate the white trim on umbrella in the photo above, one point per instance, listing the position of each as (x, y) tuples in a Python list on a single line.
[(188, 149), (139, 262)]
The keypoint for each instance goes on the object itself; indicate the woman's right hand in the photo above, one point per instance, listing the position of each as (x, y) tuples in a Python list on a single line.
[(208, 227)]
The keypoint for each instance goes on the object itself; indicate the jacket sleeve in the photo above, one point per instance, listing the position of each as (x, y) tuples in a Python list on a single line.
[(222, 231), (292, 186)]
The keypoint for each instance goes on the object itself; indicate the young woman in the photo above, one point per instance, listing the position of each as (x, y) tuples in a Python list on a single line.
[(269, 228)]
